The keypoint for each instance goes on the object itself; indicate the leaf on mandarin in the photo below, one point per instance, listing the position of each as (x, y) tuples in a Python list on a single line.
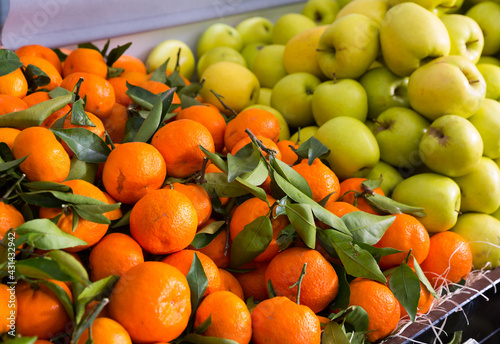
[(251, 241), (365, 227), (405, 286), (87, 146)]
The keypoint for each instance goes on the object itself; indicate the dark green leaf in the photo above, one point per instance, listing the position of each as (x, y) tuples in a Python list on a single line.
[(405, 286), (188, 93), (98, 290), (377, 252), (208, 233), (132, 126), (93, 213), (78, 115), (167, 98), (62, 296), (270, 289), (245, 160), (82, 170), (5, 166), (421, 276), (88, 320), (341, 301), (175, 79), (358, 318), (115, 53), (217, 184), (197, 281), (45, 186), (302, 219), (150, 124), (286, 237), (42, 199), (251, 241), (160, 73), (89, 45), (58, 91), (311, 149), (200, 339), (70, 265), (9, 62), (390, 206), (122, 221), (87, 146), (204, 325), (41, 268), (215, 159), (35, 77), (62, 56), (258, 175), (254, 190), (141, 96), (367, 228), (334, 334), (291, 176), (371, 184)]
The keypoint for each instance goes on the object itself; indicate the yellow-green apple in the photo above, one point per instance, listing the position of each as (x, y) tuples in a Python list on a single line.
[(491, 74), (239, 86), (447, 85), (451, 146), (219, 54), (373, 9), (480, 188), (438, 195), (322, 12), (255, 30), (496, 214), (384, 90), (482, 232), (489, 59), (389, 174), (353, 147), (466, 37), (250, 51), (268, 65), (169, 50), (348, 47), (344, 97), (303, 134), (218, 35), (301, 52), (487, 15), (487, 122), (284, 129), (265, 96), (288, 25), (410, 36), (398, 131), (434, 6), (292, 97)]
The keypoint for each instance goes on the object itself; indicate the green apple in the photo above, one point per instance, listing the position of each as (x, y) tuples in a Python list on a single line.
[(284, 129), (447, 85), (482, 231), (219, 54), (353, 147), (303, 134), (218, 35), (169, 50), (239, 86), (496, 214), (390, 176), (410, 36), (491, 74), (265, 96), (373, 9), (434, 6), (348, 47), (451, 146), (487, 122), (480, 188), (250, 51), (288, 25), (292, 97), (384, 90), (466, 37), (344, 97), (398, 132), (255, 30), (300, 52), (487, 15), (489, 59), (268, 65), (438, 195), (322, 12)]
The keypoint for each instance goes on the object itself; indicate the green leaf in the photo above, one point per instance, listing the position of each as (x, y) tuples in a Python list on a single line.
[(5, 166), (341, 301), (122, 221), (9, 62), (302, 219), (377, 252), (197, 281), (208, 233), (52, 238), (35, 77), (188, 93), (258, 175), (160, 73), (70, 265), (41, 268), (58, 91), (175, 79), (132, 127), (457, 338), (245, 160), (78, 115), (115, 53), (88, 320), (389, 206), (150, 124), (98, 290), (21, 340), (215, 159), (204, 325), (200, 339), (421, 276), (62, 296), (405, 286), (367, 228), (291, 176), (371, 184), (311, 149), (334, 334), (141, 96), (217, 184), (45, 186), (87, 146), (82, 170), (286, 237), (358, 318), (89, 45), (251, 241)]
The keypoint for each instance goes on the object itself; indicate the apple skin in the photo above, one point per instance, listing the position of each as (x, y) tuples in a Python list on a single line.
[(268, 65), (410, 35), (482, 231), (219, 54), (344, 97), (348, 47), (390, 176), (292, 96), (487, 122), (288, 25), (265, 96), (447, 85), (466, 37), (352, 145), (434, 6), (451, 146), (305, 133), (218, 35), (398, 132), (489, 59), (250, 51), (480, 188), (373, 9), (169, 49), (491, 74), (284, 129), (384, 90), (438, 195), (322, 12), (255, 30), (239, 86), (487, 15)]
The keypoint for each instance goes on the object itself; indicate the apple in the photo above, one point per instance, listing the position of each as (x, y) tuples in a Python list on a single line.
[(489, 59), (219, 54), (265, 96), (300, 52), (480, 188), (288, 25), (384, 90), (487, 122), (487, 15), (303, 134), (491, 74), (466, 37), (348, 47), (373, 9), (482, 231), (218, 35), (239, 86), (169, 50), (451, 146), (410, 36), (447, 85), (344, 97), (352, 145), (398, 131), (284, 129), (434, 6), (496, 214), (438, 195), (390, 176), (268, 65), (292, 97), (255, 30), (322, 12), (250, 51)]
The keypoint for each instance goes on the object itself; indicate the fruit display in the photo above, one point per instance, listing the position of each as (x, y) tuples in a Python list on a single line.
[(327, 177)]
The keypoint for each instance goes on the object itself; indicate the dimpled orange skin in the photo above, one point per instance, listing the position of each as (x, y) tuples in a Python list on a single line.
[(106, 331), (10, 217)]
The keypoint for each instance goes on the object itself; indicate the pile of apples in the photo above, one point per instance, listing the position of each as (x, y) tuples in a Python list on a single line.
[(406, 91)]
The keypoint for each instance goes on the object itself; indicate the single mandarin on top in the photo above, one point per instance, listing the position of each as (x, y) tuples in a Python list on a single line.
[(230, 317), (46, 67), (288, 156), (380, 304), (85, 60), (40, 51), (280, 320), (130, 63), (258, 121), (230, 283), (350, 187), (152, 301), (132, 170), (10, 217), (178, 142), (8, 135), (41, 96), (164, 221), (14, 84), (106, 331), (10, 104), (198, 196), (253, 281)]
